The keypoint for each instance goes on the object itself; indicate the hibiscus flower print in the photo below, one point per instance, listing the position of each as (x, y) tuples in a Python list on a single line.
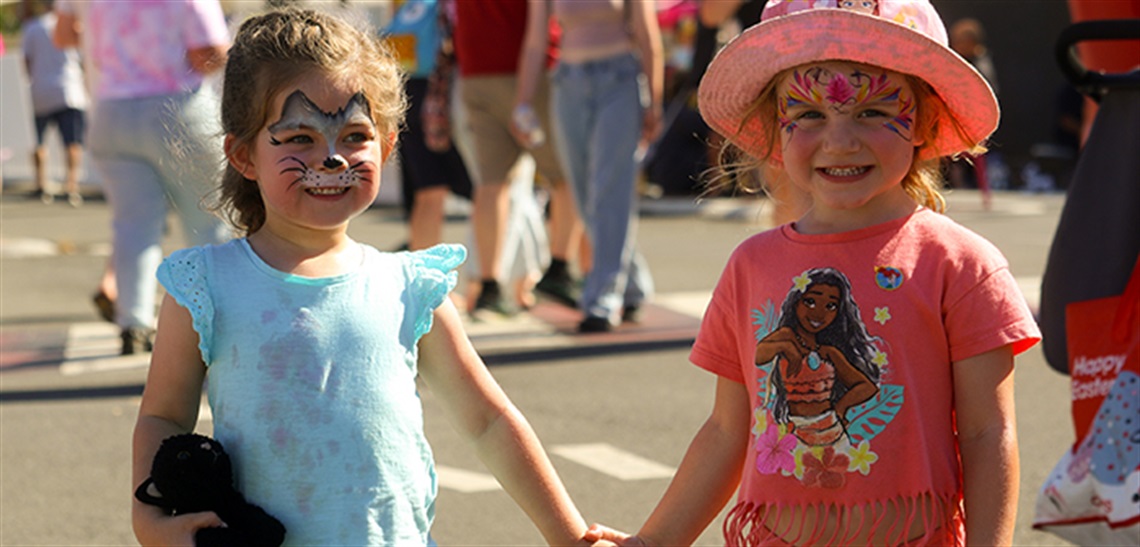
[(774, 452), (826, 471)]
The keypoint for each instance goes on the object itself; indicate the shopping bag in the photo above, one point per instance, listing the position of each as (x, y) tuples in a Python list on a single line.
[(1092, 497)]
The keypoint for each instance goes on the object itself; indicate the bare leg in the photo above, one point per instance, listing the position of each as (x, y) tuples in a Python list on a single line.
[(107, 293), (566, 229), (39, 161), (567, 232), (489, 218), (74, 156), (426, 223)]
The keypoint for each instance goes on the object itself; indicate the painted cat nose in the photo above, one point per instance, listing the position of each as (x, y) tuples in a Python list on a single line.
[(335, 162)]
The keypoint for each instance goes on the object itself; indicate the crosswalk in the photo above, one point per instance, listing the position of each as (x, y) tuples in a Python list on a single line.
[(603, 458), (92, 347)]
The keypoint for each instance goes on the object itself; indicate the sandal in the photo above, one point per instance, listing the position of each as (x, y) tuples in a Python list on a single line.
[(105, 306)]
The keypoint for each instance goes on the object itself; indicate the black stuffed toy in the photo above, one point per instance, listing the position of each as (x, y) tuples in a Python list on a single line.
[(192, 473)]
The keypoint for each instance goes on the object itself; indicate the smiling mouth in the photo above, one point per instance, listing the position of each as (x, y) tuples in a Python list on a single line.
[(326, 190), (844, 171)]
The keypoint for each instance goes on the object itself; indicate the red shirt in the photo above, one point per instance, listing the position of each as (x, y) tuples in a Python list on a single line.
[(489, 36)]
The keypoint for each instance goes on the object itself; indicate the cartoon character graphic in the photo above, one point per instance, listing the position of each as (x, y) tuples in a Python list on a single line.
[(819, 372), (823, 358)]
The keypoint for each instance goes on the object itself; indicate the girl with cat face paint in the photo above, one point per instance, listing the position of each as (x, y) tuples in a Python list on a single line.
[(311, 344)]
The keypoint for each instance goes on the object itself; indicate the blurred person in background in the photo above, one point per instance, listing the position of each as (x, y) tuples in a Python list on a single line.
[(968, 39), (606, 96), (155, 132), (487, 81), (59, 97), (428, 175)]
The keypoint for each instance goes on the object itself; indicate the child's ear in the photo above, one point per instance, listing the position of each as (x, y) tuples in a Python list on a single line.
[(238, 155), (388, 146)]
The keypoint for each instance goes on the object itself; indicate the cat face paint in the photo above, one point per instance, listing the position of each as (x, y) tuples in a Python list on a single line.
[(299, 114), (817, 91)]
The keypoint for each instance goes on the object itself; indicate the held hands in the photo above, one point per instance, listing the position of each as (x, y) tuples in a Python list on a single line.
[(603, 535)]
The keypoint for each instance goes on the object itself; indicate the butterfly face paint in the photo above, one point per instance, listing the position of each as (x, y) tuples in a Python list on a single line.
[(822, 90), (299, 113)]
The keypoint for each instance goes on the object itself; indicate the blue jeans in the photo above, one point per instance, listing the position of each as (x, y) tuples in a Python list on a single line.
[(597, 116), (151, 152)]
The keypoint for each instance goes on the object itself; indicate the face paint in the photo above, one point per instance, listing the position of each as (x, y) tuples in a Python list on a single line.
[(311, 178), (822, 89), (299, 112)]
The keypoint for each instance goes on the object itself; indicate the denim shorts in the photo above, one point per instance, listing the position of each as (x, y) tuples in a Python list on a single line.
[(70, 121)]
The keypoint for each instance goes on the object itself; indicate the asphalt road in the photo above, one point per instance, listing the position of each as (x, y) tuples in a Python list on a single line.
[(616, 411)]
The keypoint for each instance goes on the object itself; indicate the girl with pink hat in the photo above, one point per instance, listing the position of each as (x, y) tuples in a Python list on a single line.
[(864, 352)]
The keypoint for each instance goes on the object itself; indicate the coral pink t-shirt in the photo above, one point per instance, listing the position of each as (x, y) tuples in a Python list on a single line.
[(894, 305)]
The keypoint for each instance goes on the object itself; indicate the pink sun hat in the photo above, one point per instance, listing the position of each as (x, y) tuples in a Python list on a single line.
[(905, 36)]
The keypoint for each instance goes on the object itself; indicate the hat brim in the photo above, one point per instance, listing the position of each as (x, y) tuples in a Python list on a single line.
[(743, 67)]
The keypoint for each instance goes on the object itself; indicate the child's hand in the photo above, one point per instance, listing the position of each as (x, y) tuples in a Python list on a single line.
[(178, 530), (604, 534)]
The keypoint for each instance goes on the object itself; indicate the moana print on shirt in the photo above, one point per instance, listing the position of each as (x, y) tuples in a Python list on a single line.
[(820, 398)]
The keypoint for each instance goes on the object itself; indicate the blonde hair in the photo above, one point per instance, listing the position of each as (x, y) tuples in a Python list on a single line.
[(274, 49), (752, 171)]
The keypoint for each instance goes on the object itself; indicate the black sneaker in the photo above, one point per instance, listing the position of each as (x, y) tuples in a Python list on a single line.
[(631, 314), (491, 305), (560, 288), (45, 197), (595, 324), (137, 340)]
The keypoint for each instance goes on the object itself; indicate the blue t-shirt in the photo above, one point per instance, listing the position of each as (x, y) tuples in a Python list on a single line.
[(414, 34), (312, 385)]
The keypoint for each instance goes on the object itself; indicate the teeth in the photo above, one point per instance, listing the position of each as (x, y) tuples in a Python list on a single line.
[(844, 171), (327, 190)]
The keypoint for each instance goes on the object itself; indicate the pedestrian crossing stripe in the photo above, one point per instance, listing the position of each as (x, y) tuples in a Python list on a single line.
[(466, 482), (612, 461), (601, 457), (93, 347)]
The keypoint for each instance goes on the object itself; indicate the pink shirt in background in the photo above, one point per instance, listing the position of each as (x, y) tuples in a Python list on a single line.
[(139, 47)]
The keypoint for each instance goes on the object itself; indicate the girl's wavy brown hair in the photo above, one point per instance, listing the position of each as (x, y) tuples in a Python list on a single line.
[(752, 171), (274, 49)]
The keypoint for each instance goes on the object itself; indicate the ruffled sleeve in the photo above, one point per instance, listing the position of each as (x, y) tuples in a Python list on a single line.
[(431, 275), (183, 275)]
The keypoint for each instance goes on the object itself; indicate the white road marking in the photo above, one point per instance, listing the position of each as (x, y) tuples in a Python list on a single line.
[(94, 347), (1031, 288), (691, 303), (612, 461), (467, 482)]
